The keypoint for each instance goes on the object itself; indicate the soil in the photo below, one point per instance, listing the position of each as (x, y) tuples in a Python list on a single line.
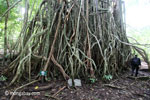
[(124, 87)]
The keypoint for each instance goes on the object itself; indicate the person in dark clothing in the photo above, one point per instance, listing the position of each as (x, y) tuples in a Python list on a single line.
[(135, 62)]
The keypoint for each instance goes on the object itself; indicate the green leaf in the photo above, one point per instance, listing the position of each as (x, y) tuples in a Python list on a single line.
[(3, 78), (108, 77), (92, 80)]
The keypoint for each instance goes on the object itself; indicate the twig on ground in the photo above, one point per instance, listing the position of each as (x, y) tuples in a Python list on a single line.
[(59, 91), (113, 86)]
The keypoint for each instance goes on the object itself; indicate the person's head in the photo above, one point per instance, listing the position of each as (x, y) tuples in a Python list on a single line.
[(135, 56)]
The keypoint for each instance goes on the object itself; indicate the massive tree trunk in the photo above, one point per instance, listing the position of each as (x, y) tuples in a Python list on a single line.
[(78, 38)]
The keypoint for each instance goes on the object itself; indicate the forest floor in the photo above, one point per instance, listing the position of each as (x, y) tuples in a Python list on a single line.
[(123, 88)]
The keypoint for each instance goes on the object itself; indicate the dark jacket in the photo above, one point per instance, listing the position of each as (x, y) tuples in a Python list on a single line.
[(135, 61)]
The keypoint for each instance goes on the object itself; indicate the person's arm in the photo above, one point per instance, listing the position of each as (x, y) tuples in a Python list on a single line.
[(139, 62)]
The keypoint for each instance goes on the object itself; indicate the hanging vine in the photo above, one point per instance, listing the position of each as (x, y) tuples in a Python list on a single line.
[(78, 38)]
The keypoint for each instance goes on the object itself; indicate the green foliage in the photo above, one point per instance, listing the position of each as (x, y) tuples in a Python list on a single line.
[(92, 80), (141, 35), (108, 77), (3, 78), (15, 19), (14, 22), (3, 6)]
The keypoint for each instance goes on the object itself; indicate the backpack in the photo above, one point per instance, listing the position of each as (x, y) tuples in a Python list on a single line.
[(135, 61)]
